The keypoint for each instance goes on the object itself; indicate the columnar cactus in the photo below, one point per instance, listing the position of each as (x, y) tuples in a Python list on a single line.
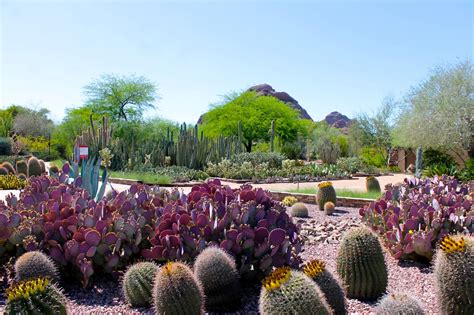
[(326, 192), (329, 208), (9, 167), (286, 291), (454, 269), (34, 167), (372, 184), (35, 296), (299, 210), (22, 167), (177, 291), (32, 265), (217, 272), (331, 289), (361, 265), (137, 283), (399, 304)]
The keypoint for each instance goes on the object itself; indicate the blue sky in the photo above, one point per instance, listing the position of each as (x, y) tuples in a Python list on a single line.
[(332, 55)]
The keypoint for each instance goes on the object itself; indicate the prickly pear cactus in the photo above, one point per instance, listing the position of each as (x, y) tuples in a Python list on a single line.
[(326, 192), (361, 265), (177, 291), (35, 296), (32, 265), (137, 283), (372, 184), (454, 270), (217, 272), (331, 289), (399, 304), (286, 291), (299, 210)]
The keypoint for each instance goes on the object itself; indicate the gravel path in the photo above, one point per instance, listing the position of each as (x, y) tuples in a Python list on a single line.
[(322, 236)]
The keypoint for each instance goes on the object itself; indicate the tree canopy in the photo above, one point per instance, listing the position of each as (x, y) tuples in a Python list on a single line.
[(120, 97), (256, 114), (439, 113)]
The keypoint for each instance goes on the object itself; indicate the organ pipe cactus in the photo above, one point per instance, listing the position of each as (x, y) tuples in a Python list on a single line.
[(454, 270)]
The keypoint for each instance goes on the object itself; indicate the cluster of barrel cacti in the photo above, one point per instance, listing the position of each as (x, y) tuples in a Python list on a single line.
[(326, 193), (24, 168), (415, 216)]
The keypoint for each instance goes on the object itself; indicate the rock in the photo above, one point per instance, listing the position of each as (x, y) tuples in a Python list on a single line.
[(338, 120)]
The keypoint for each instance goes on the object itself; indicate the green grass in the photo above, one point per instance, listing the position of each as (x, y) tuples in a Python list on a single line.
[(340, 193), (147, 178)]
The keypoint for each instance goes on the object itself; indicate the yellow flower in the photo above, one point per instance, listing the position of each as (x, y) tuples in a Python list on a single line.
[(324, 184), (450, 245), (276, 278), (26, 289), (314, 268)]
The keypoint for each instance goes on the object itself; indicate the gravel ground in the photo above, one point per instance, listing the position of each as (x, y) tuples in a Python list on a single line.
[(322, 235)]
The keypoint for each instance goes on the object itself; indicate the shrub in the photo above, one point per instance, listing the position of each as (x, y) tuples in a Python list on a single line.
[(273, 159), (454, 270), (289, 201), (299, 210), (426, 211), (399, 304), (36, 296), (287, 291), (432, 157), (177, 291), (373, 156), (32, 265), (361, 265), (137, 283), (349, 164), (10, 181), (5, 146), (217, 272)]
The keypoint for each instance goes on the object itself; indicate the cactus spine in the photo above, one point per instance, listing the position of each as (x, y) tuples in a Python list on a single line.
[(217, 272), (299, 210), (34, 167), (326, 193), (454, 270), (361, 265), (35, 296), (177, 291), (372, 184), (137, 284), (399, 304), (286, 291), (32, 265), (331, 289)]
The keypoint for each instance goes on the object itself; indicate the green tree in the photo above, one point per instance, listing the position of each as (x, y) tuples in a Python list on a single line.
[(439, 112), (120, 97), (256, 114)]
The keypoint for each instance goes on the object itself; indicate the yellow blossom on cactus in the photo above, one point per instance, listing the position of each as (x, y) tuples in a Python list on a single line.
[(450, 245), (410, 231), (289, 201), (324, 184), (314, 268), (276, 278), (26, 289)]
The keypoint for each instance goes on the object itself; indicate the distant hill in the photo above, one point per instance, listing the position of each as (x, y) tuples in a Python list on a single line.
[(338, 121)]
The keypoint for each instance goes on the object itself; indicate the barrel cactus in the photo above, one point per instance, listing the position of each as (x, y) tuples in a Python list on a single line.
[(286, 291), (137, 283), (3, 171), (361, 265), (32, 265), (399, 304), (217, 272), (35, 296), (331, 289), (22, 176), (9, 167), (53, 169), (329, 208), (43, 166), (34, 167), (22, 167), (326, 192), (299, 210), (372, 184), (454, 270), (177, 291)]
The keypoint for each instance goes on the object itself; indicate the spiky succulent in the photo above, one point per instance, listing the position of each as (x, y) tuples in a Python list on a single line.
[(137, 283), (32, 265), (177, 291), (331, 289), (286, 291), (34, 167), (399, 304), (9, 167), (35, 296), (22, 167), (326, 192), (372, 184), (289, 201), (454, 270), (299, 210), (329, 208)]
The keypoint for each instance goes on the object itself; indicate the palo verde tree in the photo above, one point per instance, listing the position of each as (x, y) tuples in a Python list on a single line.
[(439, 113), (120, 97), (256, 114)]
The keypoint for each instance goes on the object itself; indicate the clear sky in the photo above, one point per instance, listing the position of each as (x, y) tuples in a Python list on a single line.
[(329, 55)]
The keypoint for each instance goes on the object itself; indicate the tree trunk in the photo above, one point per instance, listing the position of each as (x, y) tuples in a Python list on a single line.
[(248, 146)]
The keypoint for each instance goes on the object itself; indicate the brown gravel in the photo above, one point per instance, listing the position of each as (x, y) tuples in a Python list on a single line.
[(417, 280)]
